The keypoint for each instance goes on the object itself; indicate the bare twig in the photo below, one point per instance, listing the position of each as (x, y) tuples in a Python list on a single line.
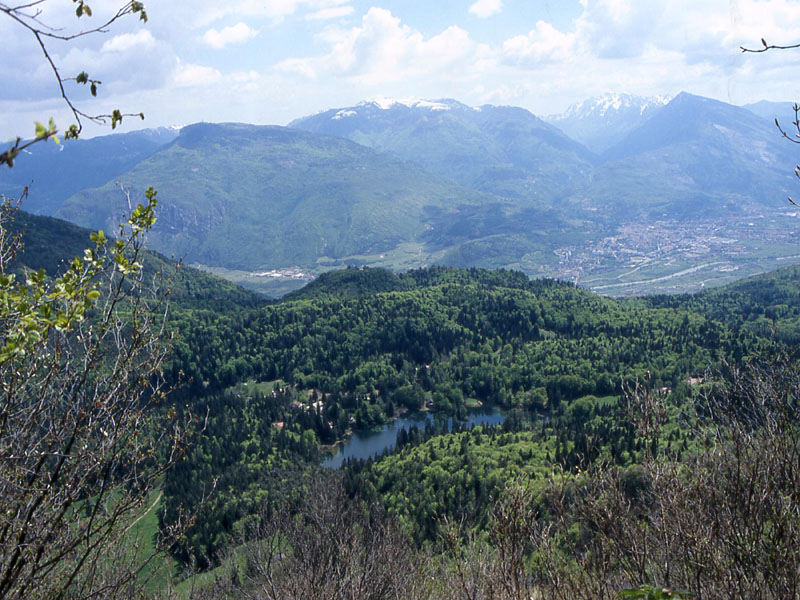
[(766, 47)]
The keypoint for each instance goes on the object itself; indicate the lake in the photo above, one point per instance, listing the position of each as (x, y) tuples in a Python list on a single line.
[(372, 442)]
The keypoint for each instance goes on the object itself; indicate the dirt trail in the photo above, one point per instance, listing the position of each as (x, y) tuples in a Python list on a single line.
[(152, 506)]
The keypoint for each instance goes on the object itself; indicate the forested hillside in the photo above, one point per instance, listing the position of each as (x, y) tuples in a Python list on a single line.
[(471, 373), (603, 398), (768, 304), (357, 347), (50, 244), (591, 388), (502, 333)]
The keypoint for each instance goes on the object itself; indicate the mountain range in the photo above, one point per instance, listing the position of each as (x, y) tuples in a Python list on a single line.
[(669, 196), (502, 150), (259, 198), (699, 156), (603, 121)]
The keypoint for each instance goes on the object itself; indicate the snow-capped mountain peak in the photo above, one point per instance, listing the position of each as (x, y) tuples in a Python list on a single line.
[(601, 106), (377, 106), (386, 103), (600, 121)]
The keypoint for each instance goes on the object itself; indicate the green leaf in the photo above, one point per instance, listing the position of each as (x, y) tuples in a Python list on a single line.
[(51, 129), (41, 130)]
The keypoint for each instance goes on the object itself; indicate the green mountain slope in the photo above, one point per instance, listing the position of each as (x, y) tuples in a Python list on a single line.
[(257, 199), (767, 304), (251, 197), (49, 242), (54, 172)]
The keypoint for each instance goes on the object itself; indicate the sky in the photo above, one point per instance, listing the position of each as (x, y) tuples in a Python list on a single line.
[(271, 61)]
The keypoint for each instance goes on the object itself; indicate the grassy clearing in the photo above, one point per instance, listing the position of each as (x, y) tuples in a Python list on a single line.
[(251, 387), (157, 573)]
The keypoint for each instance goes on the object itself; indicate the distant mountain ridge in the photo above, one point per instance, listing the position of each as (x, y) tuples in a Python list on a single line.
[(501, 150), (783, 111), (54, 172), (611, 103), (602, 121), (722, 152), (263, 197)]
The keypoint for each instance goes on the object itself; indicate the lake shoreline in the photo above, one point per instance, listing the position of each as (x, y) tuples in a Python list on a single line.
[(372, 442)]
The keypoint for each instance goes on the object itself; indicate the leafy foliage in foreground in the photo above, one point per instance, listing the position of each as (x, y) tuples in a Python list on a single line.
[(48, 243), (81, 440)]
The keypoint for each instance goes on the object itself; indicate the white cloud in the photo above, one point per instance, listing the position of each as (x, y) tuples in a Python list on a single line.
[(128, 41), (335, 12), (205, 12), (619, 28), (649, 48), (545, 42), (190, 75), (486, 8), (124, 62), (235, 34), (699, 29), (383, 50)]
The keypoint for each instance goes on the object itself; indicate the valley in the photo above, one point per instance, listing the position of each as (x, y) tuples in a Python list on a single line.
[(675, 257), (661, 257)]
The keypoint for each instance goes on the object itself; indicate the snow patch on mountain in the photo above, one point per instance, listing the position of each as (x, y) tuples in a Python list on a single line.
[(385, 103), (602, 121), (343, 114), (607, 104)]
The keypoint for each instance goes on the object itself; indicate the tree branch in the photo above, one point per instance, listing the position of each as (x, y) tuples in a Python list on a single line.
[(41, 31), (766, 47)]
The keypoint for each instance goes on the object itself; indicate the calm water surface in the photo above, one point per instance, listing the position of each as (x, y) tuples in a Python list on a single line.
[(371, 442)]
